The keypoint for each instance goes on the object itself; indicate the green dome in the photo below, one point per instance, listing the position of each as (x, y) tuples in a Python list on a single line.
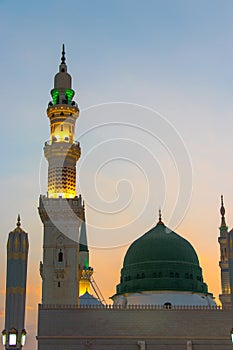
[(161, 260)]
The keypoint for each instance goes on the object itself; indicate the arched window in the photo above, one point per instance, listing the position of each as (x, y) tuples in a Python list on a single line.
[(167, 305), (60, 256)]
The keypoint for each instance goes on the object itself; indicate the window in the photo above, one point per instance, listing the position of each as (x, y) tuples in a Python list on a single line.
[(59, 284), (167, 305), (61, 127), (60, 256)]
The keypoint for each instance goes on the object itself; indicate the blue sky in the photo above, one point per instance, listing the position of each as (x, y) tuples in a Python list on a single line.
[(172, 56)]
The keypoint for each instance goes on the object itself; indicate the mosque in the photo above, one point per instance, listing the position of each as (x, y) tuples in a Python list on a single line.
[(161, 301)]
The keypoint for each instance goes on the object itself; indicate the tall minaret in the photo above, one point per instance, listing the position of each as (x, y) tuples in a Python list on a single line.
[(225, 297), (14, 334), (61, 211)]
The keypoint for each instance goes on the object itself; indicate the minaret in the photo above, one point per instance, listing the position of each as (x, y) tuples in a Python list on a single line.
[(61, 211), (62, 152), (86, 270), (225, 297), (14, 334)]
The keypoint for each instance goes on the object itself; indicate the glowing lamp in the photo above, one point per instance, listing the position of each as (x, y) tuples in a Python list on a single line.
[(55, 96), (232, 335), (4, 337), (12, 337), (23, 337), (69, 95)]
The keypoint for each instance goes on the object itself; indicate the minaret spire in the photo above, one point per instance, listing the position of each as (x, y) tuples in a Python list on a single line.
[(222, 212), (160, 217), (63, 57), (18, 221)]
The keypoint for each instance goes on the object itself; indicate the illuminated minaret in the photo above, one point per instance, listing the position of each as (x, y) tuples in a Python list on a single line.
[(86, 270), (61, 211), (225, 297), (62, 152), (14, 334)]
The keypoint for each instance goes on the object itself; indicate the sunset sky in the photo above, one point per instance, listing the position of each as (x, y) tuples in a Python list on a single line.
[(154, 83)]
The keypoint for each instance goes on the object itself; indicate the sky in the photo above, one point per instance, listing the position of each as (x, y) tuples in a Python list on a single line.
[(154, 82)]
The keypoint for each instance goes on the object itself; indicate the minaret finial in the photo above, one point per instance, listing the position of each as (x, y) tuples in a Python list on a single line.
[(222, 212), (18, 221), (63, 57), (160, 217)]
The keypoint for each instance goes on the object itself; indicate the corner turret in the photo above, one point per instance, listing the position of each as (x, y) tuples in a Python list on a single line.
[(225, 296)]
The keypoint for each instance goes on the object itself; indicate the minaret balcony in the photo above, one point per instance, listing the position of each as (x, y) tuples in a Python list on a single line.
[(63, 148), (71, 109), (223, 264)]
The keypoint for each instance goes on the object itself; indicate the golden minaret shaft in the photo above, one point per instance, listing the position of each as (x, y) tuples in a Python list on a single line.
[(62, 152)]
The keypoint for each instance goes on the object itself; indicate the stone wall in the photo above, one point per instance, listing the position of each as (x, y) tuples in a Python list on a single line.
[(71, 327)]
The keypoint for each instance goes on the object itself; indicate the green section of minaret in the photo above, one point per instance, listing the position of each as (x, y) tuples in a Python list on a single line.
[(161, 260)]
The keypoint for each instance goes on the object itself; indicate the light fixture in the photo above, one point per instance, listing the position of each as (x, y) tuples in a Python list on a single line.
[(23, 337), (12, 337), (232, 335), (4, 337)]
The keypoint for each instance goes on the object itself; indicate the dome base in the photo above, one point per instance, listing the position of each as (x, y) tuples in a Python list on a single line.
[(168, 298)]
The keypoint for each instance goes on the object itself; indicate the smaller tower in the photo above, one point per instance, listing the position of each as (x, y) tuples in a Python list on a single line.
[(14, 334), (225, 297), (230, 263), (86, 271)]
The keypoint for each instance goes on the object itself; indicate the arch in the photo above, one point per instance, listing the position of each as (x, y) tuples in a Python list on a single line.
[(167, 305), (60, 256)]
